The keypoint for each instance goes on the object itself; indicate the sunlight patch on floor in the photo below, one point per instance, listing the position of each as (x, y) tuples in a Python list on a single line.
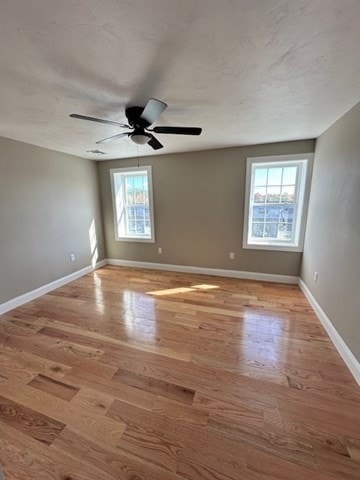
[(173, 291)]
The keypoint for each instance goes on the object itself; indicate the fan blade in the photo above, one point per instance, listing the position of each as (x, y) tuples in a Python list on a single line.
[(154, 143), (113, 137), (152, 111), (98, 120), (179, 130)]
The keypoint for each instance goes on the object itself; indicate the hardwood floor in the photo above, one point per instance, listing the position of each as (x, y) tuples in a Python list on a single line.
[(141, 375)]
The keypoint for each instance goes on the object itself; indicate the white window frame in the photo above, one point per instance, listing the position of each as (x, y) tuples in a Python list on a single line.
[(136, 170), (305, 161)]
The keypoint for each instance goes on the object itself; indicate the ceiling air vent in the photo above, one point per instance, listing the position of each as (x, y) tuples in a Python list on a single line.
[(96, 152)]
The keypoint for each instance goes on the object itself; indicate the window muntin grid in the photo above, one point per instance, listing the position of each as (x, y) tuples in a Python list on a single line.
[(132, 203), (273, 202)]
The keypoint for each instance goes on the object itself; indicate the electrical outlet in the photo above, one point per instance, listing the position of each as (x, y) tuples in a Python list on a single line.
[(72, 257), (159, 250), (232, 255), (316, 276)]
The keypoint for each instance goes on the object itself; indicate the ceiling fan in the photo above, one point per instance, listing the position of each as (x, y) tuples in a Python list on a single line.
[(140, 119)]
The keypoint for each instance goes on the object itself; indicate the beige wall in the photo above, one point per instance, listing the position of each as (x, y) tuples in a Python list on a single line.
[(47, 203), (332, 244), (199, 208)]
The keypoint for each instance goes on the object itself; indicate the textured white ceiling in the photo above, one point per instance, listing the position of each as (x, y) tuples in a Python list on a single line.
[(247, 71)]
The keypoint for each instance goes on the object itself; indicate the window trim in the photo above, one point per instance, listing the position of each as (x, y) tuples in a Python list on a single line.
[(148, 170), (302, 200)]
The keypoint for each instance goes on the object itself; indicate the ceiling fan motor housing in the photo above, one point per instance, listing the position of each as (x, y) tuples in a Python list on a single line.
[(133, 114)]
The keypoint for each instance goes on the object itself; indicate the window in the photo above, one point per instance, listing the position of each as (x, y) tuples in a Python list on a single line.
[(133, 204), (276, 200)]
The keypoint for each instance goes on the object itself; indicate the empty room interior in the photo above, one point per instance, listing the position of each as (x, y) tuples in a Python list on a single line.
[(180, 240)]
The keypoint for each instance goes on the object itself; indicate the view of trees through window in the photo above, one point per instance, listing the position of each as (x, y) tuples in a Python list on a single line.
[(137, 216), (273, 202)]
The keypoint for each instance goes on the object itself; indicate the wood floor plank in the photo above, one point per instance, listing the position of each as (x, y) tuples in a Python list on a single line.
[(264, 466), (55, 387), (23, 458), (204, 468), (28, 421), (24, 361), (70, 354), (345, 422), (325, 389), (315, 435), (180, 412), (152, 446), (354, 453), (91, 425), (146, 347), (228, 411), (337, 466), (136, 374), (115, 462), (147, 437), (153, 385), (200, 459), (93, 400), (268, 439), (120, 391), (12, 369)]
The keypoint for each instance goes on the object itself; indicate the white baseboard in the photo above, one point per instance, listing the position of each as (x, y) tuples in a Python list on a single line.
[(264, 277), (344, 351), (27, 297)]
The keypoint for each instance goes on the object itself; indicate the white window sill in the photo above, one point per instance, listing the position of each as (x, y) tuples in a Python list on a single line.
[(280, 248), (135, 239)]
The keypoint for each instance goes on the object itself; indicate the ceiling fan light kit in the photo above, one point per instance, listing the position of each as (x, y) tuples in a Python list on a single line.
[(140, 119), (140, 138)]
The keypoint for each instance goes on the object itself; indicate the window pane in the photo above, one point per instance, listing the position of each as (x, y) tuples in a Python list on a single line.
[(129, 186), (285, 231), (289, 176), (131, 226), (137, 194), (260, 176), (271, 230), (273, 195), (258, 213), (131, 200), (138, 182), (139, 212), (129, 183), (257, 230), (286, 213), (259, 194), (140, 227), (117, 179), (130, 213), (274, 176), (288, 194), (273, 213), (277, 196)]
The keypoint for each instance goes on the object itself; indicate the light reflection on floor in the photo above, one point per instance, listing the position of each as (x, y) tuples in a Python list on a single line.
[(99, 297), (134, 306), (269, 326)]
